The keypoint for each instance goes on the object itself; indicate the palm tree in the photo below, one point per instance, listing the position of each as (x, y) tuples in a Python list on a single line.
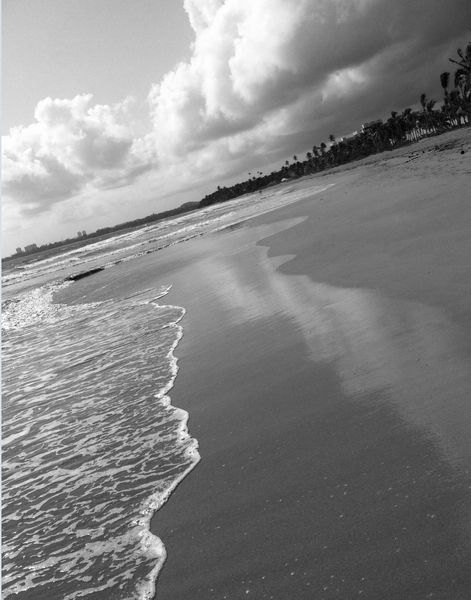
[(431, 114), (465, 62), (445, 80), (460, 77), (397, 131), (461, 95), (310, 161), (424, 119), (454, 106)]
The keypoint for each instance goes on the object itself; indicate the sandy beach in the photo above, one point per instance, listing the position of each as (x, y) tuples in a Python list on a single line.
[(325, 365)]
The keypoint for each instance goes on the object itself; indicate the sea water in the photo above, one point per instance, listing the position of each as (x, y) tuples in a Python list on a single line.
[(92, 445), (131, 245)]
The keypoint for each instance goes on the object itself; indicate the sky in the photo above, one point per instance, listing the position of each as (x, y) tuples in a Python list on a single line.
[(116, 109)]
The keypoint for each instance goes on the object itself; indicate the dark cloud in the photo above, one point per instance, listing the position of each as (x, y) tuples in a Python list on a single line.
[(256, 61), (267, 79)]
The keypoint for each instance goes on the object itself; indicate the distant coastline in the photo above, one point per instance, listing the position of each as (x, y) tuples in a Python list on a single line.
[(374, 137)]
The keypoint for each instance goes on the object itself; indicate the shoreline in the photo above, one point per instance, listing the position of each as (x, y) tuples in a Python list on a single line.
[(325, 368), (429, 559), (23, 261)]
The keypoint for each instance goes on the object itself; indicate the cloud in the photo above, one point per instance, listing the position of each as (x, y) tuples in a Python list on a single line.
[(70, 146), (266, 79), (298, 64)]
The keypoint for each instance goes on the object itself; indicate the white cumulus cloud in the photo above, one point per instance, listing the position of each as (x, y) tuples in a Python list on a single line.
[(71, 145), (297, 67), (266, 79)]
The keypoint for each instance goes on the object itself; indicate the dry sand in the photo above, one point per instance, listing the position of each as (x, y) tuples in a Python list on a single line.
[(325, 365)]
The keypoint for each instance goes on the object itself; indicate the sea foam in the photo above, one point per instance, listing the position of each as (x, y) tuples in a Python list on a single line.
[(92, 446)]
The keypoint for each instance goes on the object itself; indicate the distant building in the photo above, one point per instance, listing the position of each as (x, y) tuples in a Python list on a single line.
[(371, 124), (19, 251), (31, 248), (79, 234), (350, 136), (84, 233)]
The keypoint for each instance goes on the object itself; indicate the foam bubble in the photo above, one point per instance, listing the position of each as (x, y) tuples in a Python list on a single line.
[(94, 445)]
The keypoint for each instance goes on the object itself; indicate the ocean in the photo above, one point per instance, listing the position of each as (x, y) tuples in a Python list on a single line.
[(92, 445)]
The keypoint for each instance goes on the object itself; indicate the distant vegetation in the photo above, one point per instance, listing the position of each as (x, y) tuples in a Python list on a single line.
[(377, 136), (374, 137)]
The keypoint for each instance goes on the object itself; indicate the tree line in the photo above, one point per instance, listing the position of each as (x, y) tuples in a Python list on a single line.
[(104, 231), (377, 136)]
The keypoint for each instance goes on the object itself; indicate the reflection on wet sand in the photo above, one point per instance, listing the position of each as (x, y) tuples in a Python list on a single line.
[(405, 349)]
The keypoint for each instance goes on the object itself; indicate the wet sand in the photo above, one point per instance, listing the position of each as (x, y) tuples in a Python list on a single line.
[(325, 365)]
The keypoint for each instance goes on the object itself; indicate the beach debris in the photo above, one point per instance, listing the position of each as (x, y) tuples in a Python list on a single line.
[(83, 274), (412, 157)]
